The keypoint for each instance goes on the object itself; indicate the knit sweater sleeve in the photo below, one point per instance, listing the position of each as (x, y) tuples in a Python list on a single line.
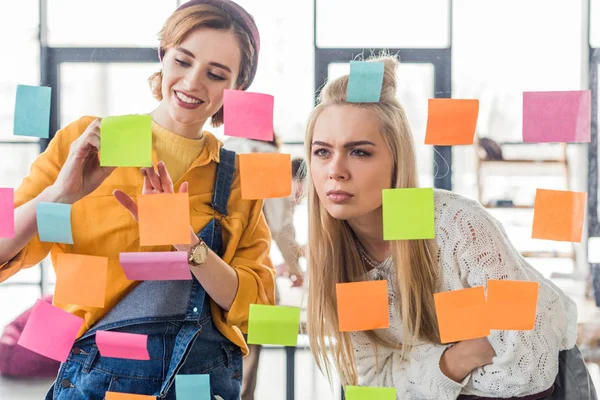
[(526, 362)]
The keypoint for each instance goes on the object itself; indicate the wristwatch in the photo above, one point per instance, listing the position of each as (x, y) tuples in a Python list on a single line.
[(198, 254)]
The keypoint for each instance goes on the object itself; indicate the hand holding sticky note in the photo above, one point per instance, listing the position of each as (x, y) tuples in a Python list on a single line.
[(126, 141), (131, 346), (451, 121), (365, 81), (362, 306), (54, 222), (462, 314), (32, 111), (265, 175), (81, 280), (370, 393), (193, 387), (164, 219), (156, 266), (408, 214), (248, 115), (273, 325), (512, 305), (50, 331), (559, 116), (559, 215), (7, 212)]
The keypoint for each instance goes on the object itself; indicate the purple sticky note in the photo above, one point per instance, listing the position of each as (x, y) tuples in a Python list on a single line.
[(50, 331), (7, 212), (122, 345), (248, 115), (562, 117), (156, 266)]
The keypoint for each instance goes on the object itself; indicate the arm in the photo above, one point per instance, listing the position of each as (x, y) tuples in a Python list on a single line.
[(526, 361), (279, 215)]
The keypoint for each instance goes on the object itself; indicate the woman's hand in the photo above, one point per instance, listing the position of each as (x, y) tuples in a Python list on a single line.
[(459, 360), (82, 174)]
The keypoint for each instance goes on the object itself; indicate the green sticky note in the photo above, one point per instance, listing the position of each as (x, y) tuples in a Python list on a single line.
[(370, 393), (273, 325), (408, 214), (364, 82), (126, 141)]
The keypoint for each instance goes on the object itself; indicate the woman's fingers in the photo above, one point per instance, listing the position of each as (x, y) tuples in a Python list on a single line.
[(165, 179), (183, 188), (154, 179), (126, 201)]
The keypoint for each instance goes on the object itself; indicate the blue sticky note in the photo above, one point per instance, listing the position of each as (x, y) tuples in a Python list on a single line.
[(364, 83), (192, 387), (32, 111), (54, 222)]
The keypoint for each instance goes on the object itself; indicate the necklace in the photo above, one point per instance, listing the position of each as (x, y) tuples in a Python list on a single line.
[(365, 257)]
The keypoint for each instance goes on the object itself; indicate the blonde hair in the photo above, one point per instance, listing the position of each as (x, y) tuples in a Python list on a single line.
[(334, 258), (182, 22)]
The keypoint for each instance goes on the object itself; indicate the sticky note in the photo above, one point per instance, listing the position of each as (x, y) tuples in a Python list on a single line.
[(7, 212), (408, 214), (512, 305), (462, 314), (156, 266), (54, 222), (122, 345), (362, 306), (265, 175), (370, 393), (32, 111), (81, 280), (559, 215), (164, 219), (248, 115), (451, 121), (365, 81), (50, 331), (127, 396), (560, 116), (126, 141), (273, 325), (192, 387)]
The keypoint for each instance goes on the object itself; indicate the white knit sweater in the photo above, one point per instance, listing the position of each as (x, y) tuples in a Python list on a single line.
[(473, 248)]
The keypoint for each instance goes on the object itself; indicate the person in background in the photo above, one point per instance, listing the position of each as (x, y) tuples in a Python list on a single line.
[(279, 214)]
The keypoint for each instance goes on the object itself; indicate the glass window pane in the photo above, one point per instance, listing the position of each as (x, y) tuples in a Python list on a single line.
[(415, 87), (73, 23), (595, 23), (105, 89), (383, 23)]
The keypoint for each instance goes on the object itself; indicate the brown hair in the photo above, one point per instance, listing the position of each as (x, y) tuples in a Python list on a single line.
[(334, 258), (184, 21)]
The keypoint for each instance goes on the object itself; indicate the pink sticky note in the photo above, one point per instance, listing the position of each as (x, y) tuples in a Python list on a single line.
[(122, 345), (7, 212), (50, 331), (557, 116), (156, 266), (248, 115)]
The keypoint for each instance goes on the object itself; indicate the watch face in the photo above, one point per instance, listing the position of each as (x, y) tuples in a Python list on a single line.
[(200, 253)]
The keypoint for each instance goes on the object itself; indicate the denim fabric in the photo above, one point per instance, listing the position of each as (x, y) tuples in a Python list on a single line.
[(181, 336)]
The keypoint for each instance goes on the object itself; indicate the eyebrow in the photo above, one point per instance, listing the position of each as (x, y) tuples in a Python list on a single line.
[(214, 64), (349, 144)]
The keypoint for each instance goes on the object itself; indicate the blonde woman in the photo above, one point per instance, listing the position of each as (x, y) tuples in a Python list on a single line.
[(354, 151)]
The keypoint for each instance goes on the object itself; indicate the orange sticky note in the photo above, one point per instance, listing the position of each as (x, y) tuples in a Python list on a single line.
[(164, 219), (265, 175), (362, 306), (127, 396), (451, 121), (81, 280), (461, 314), (512, 305), (559, 215)]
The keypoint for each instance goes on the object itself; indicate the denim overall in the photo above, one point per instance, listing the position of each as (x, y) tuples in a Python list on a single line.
[(181, 336)]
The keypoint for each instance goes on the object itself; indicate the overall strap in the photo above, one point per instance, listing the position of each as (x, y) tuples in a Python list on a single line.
[(222, 189)]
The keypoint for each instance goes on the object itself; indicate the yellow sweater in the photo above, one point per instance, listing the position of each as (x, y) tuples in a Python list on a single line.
[(102, 227)]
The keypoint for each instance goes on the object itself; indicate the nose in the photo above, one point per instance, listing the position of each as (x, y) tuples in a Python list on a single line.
[(337, 169), (192, 80)]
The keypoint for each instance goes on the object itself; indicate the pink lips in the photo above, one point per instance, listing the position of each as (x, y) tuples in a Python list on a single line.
[(339, 196), (185, 105)]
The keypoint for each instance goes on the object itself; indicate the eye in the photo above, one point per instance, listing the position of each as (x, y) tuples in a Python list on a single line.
[(320, 152), (182, 63), (360, 153), (215, 77)]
